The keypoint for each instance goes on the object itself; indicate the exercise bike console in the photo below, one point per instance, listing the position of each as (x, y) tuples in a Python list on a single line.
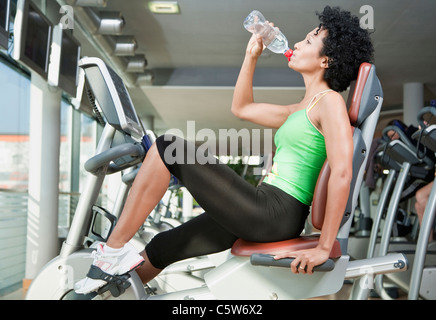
[(112, 97)]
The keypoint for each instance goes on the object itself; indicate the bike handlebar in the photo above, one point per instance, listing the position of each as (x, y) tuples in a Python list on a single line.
[(108, 157)]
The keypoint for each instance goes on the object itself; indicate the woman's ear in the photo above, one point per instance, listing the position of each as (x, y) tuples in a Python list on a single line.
[(325, 61)]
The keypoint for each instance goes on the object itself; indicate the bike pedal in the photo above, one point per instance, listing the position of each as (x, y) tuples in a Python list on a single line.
[(117, 285)]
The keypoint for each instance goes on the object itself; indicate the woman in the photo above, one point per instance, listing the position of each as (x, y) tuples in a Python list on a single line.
[(309, 131)]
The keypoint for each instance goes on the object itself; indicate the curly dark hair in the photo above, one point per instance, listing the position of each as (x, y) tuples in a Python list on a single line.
[(346, 45)]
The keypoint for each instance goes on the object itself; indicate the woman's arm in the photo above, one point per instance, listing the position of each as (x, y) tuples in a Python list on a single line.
[(339, 145), (243, 105)]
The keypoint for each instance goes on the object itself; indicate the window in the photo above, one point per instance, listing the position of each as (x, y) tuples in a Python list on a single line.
[(14, 159), (14, 128)]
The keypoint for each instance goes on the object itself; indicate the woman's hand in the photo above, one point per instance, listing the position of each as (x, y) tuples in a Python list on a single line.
[(305, 260), (255, 45)]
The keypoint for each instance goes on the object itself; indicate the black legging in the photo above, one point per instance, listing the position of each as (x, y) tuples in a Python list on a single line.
[(234, 208)]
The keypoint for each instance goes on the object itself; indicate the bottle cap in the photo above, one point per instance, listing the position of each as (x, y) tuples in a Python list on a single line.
[(288, 54)]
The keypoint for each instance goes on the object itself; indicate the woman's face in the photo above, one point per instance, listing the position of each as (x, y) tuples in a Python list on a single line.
[(306, 56)]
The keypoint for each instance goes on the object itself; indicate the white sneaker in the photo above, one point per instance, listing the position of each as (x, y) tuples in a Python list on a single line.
[(114, 263)]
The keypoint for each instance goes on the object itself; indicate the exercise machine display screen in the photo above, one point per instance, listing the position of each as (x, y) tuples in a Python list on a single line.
[(126, 102), (37, 43), (112, 97), (69, 69), (33, 33)]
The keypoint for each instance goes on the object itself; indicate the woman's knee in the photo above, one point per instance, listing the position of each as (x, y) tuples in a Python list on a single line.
[(169, 147), (159, 147)]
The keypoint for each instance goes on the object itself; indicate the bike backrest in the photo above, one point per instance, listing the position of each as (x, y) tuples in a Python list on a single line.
[(364, 102)]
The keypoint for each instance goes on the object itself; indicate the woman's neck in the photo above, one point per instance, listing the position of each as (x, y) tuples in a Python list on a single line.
[(314, 84)]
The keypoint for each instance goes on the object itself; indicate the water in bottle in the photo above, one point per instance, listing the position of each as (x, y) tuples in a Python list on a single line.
[(272, 37)]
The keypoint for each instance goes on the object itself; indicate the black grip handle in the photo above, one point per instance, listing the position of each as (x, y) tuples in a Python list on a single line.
[(134, 150), (260, 259)]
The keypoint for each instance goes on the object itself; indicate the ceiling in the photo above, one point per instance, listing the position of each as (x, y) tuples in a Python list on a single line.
[(195, 56)]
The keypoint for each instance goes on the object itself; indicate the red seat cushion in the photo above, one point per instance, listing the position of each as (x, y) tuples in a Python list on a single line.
[(247, 248)]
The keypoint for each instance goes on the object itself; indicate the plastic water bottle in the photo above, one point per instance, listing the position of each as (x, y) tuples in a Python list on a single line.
[(272, 37)]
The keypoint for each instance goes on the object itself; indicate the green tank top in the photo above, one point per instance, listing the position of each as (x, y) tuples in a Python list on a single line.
[(299, 157)]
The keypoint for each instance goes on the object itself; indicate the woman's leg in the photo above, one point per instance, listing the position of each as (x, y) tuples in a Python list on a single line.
[(147, 271), (147, 190), (197, 237), (115, 258)]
